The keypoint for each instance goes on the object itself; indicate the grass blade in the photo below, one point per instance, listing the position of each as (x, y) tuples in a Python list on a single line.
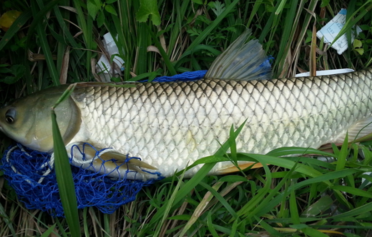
[(48, 231), (63, 173), (46, 49), (169, 205), (202, 205), (211, 226), (208, 30), (163, 54), (6, 220), (354, 212)]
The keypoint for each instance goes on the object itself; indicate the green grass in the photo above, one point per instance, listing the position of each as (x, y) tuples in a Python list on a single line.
[(294, 196)]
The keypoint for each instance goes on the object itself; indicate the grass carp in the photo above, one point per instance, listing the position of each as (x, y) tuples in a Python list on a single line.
[(171, 125)]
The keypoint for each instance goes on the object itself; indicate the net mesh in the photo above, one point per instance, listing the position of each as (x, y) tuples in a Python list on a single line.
[(25, 168)]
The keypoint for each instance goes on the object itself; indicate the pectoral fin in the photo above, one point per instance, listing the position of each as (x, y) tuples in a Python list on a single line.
[(109, 161), (119, 157), (233, 168)]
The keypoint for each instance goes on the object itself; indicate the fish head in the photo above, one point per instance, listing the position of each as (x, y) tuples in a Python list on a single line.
[(28, 120)]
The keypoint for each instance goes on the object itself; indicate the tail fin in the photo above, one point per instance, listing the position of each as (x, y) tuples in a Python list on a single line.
[(242, 60)]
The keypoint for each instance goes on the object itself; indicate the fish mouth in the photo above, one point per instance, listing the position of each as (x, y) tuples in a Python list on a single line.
[(2, 128)]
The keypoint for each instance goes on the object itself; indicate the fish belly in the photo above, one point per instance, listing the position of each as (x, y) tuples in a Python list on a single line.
[(171, 125)]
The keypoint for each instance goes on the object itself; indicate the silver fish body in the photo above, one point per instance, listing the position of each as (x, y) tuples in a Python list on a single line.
[(171, 125)]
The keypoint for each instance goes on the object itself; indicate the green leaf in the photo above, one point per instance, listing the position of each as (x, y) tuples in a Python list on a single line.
[(110, 9), (18, 71), (100, 19), (324, 3), (357, 43), (147, 8), (319, 206), (360, 51), (93, 8), (218, 8)]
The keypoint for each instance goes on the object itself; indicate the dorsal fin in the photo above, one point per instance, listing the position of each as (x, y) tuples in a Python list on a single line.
[(242, 60)]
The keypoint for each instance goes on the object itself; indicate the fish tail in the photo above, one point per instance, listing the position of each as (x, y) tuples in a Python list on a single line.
[(243, 60)]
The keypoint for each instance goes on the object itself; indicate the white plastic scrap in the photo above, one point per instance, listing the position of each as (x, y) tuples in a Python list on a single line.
[(104, 65), (331, 30), (326, 72)]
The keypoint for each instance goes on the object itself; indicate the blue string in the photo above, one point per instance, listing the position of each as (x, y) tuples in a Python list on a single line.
[(186, 76)]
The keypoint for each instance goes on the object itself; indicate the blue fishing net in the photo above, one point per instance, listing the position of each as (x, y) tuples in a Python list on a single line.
[(32, 176), (25, 171)]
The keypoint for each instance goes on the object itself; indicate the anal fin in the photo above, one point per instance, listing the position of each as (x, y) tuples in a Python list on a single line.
[(357, 131)]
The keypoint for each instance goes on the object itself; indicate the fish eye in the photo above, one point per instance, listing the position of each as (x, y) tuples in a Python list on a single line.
[(10, 116)]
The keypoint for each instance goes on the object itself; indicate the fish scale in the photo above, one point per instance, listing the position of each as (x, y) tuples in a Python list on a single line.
[(170, 125)]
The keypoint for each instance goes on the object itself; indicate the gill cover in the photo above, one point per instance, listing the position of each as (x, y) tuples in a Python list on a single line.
[(28, 120)]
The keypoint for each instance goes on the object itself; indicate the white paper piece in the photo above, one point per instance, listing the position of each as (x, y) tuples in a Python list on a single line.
[(103, 64), (331, 30), (326, 72)]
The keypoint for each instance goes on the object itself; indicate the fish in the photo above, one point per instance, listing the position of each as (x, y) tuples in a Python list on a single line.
[(170, 125)]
